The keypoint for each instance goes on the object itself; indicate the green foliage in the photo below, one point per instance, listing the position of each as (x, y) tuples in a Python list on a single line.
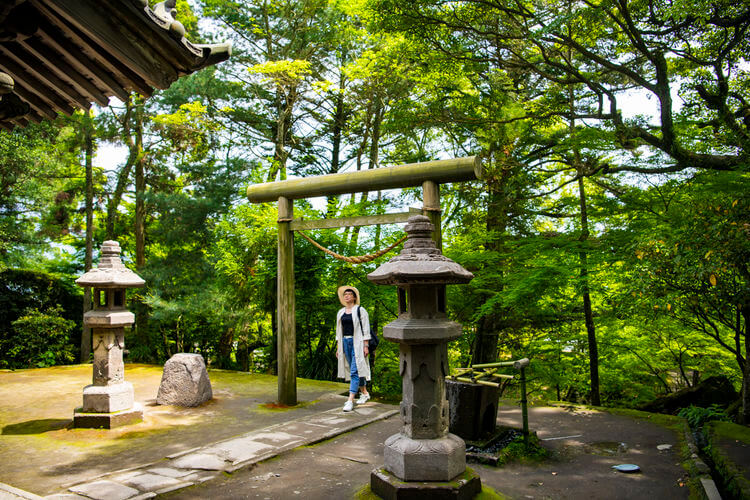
[(38, 339), (38, 188), (697, 416), (518, 451), (23, 290)]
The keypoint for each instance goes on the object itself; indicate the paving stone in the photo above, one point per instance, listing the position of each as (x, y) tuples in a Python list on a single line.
[(202, 461), (65, 496), (151, 482), (198, 477), (240, 450), (105, 490), (8, 492), (170, 472), (709, 487), (144, 496), (305, 428), (365, 411), (329, 420), (121, 478), (276, 438), (183, 452), (180, 485)]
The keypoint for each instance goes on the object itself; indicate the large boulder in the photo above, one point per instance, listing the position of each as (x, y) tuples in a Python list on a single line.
[(184, 381), (717, 390)]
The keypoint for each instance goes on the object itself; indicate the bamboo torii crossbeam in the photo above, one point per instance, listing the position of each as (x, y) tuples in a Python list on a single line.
[(429, 175), (475, 373)]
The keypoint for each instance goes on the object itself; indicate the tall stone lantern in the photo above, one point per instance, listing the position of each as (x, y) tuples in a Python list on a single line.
[(108, 402), (424, 451)]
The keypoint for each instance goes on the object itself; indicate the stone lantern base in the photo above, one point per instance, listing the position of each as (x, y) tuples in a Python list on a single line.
[(425, 459), (82, 420), (463, 487), (107, 406), (108, 398)]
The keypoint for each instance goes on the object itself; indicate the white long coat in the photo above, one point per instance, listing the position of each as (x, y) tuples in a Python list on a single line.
[(363, 363)]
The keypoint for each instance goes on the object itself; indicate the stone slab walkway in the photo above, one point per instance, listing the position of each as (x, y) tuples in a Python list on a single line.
[(208, 462)]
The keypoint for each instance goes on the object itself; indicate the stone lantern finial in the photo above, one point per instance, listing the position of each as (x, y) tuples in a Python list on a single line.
[(111, 272), (424, 450), (420, 261)]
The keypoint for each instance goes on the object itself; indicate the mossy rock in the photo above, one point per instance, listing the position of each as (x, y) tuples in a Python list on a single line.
[(716, 390)]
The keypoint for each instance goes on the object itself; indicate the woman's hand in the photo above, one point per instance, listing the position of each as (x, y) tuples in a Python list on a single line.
[(367, 350)]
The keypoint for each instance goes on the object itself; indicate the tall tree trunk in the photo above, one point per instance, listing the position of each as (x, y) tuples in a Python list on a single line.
[(282, 133), (123, 177), (339, 118), (141, 326), (583, 258), (374, 156), (500, 205), (224, 350), (745, 410), (587, 312), (140, 188), (88, 262)]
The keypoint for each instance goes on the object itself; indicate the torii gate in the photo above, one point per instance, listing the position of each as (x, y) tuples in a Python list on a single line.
[(427, 174)]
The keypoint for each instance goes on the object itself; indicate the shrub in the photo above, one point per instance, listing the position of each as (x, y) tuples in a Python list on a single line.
[(22, 290), (698, 416), (38, 339)]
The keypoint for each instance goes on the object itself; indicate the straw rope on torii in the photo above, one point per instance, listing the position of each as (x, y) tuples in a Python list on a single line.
[(359, 259)]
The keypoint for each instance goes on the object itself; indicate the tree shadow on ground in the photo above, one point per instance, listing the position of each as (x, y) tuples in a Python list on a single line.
[(36, 426)]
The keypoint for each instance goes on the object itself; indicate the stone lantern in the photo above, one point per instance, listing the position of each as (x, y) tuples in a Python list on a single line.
[(108, 402), (424, 451)]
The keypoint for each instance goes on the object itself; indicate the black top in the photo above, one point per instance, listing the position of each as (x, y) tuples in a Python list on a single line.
[(347, 325)]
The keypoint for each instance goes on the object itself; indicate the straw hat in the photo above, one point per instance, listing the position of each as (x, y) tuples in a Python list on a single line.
[(344, 288)]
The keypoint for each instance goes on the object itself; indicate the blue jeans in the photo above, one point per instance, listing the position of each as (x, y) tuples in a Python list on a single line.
[(351, 358)]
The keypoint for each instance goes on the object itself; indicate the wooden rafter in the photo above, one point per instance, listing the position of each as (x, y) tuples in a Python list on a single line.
[(63, 54)]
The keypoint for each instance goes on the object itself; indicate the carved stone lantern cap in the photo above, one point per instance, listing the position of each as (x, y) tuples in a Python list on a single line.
[(420, 261), (111, 272)]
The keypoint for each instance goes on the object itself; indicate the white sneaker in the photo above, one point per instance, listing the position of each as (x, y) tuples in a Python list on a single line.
[(349, 405), (363, 399)]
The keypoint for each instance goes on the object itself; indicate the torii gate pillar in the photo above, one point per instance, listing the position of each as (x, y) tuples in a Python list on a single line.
[(431, 208), (286, 336)]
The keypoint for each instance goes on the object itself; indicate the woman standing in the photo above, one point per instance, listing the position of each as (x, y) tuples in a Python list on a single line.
[(352, 334)]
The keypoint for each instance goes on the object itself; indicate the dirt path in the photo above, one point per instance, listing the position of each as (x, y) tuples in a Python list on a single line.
[(339, 467)]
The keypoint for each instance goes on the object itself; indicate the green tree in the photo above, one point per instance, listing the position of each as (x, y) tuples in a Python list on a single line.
[(693, 261)]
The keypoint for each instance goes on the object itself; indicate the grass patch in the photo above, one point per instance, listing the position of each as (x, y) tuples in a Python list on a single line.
[(519, 452), (728, 430)]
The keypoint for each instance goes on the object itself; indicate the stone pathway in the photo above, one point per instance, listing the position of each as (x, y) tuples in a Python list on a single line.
[(208, 462)]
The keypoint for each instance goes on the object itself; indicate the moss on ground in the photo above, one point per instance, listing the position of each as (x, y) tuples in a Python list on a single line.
[(731, 431), (38, 423), (487, 493)]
